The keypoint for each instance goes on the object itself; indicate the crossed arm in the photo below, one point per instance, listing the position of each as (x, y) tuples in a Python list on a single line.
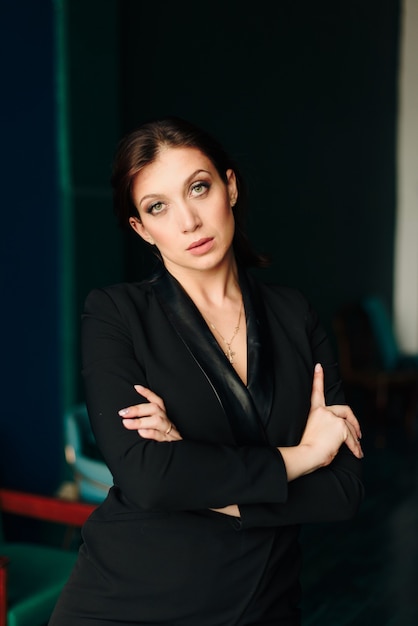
[(327, 429)]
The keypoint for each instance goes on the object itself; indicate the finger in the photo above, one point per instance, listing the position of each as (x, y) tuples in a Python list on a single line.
[(144, 409), (131, 423), (172, 434), (148, 422), (157, 435), (344, 411), (148, 431), (150, 395), (150, 426), (353, 442), (318, 396), (151, 433)]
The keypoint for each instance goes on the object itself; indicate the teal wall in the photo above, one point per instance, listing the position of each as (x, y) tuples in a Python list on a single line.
[(88, 130), (303, 95)]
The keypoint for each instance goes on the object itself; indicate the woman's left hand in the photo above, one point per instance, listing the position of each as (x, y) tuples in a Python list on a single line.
[(149, 419)]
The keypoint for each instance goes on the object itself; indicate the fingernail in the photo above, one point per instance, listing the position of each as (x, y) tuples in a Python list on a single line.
[(138, 387), (123, 412), (318, 367)]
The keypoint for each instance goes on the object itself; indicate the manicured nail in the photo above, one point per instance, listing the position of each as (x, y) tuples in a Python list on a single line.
[(318, 367), (123, 412), (138, 387)]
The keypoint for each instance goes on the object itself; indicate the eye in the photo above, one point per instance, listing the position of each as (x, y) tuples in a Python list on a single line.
[(199, 188), (156, 208)]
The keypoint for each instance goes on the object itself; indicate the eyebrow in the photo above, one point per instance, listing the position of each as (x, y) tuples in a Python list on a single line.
[(196, 173), (187, 181)]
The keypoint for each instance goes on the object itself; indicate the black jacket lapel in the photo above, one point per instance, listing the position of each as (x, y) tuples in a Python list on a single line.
[(259, 348), (238, 402)]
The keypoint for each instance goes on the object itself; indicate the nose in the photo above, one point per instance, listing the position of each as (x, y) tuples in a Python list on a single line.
[(187, 217)]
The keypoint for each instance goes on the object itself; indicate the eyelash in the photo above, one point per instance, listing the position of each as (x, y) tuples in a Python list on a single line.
[(205, 185), (151, 208), (201, 183)]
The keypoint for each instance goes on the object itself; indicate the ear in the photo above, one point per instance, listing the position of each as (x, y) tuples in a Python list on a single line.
[(138, 227), (232, 187)]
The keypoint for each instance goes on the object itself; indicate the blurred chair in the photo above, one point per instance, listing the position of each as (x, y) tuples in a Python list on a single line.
[(391, 356), (33, 574), (91, 474), (371, 361)]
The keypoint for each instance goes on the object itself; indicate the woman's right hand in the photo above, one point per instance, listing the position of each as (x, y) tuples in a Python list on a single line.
[(326, 430), (150, 418)]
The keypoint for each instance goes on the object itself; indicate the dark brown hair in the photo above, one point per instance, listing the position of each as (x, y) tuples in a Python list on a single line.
[(142, 146)]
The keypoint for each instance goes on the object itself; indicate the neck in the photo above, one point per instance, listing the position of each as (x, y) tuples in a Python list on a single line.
[(210, 288)]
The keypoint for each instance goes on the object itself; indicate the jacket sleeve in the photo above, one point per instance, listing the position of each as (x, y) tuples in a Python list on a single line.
[(329, 494), (183, 475)]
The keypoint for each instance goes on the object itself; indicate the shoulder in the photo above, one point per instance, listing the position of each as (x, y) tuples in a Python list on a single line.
[(281, 296), (287, 296), (288, 305), (119, 298)]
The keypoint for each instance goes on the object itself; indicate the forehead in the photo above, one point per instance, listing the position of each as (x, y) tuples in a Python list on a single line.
[(173, 166)]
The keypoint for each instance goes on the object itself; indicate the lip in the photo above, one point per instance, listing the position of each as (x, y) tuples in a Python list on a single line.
[(201, 245)]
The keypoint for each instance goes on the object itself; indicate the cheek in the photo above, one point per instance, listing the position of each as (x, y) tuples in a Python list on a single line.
[(224, 213), (226, 227), (229, 218), (145, 234), (161, 239)]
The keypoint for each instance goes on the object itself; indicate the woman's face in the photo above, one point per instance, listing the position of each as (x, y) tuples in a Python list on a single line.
[(185, 209)]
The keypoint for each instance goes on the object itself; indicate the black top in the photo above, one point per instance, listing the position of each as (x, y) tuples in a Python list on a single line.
[(153, 553)]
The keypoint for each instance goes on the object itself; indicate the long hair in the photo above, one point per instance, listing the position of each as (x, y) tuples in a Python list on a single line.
[(141, 147)]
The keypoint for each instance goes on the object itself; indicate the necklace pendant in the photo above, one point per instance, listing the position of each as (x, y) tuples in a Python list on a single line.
[(230, 355)]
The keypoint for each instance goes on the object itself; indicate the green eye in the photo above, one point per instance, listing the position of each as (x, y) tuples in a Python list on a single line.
[(200, 188), (155, 208)]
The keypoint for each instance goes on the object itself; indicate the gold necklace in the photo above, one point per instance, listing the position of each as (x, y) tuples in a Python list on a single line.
[(229, 353)]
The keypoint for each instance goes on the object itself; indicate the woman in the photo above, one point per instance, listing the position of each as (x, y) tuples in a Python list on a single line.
[(205, 390)]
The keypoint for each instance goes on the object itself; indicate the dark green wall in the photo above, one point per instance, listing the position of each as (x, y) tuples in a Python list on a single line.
[(87, 68)]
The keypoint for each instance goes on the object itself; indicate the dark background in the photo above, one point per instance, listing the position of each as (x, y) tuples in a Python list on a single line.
[(304, 96)]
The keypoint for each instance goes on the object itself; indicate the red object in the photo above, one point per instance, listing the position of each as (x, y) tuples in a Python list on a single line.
[(41, 507)]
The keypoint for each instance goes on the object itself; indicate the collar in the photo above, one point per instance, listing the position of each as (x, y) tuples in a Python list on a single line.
[(246, 408)]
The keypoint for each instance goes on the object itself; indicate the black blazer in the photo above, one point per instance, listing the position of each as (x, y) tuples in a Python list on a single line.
[(153, 552)]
